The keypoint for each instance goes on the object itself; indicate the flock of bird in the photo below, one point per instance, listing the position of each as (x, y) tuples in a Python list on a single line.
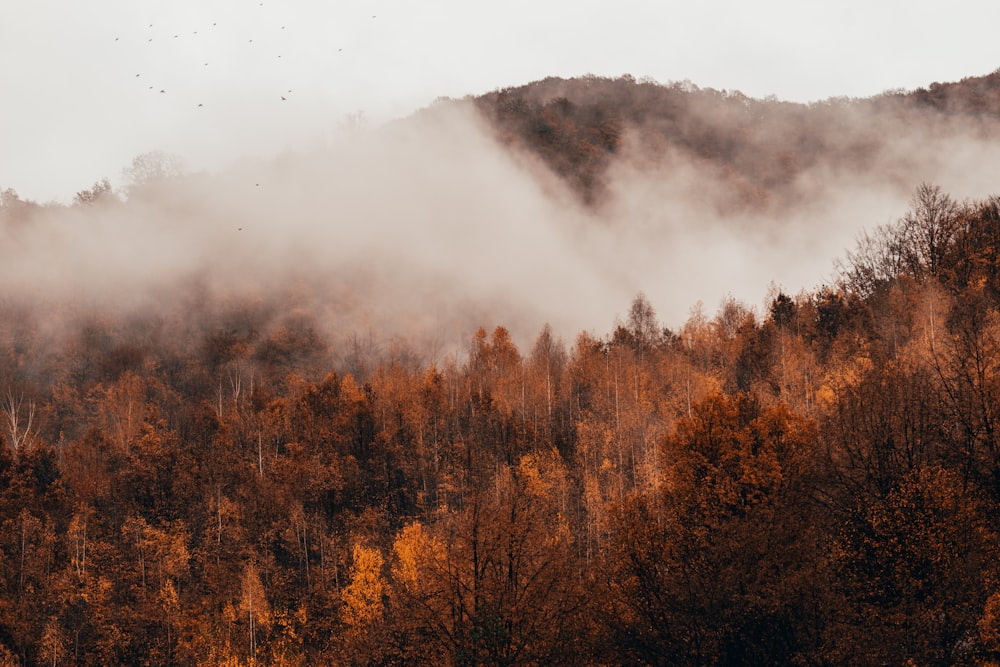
[(216, 39), (283, 96)]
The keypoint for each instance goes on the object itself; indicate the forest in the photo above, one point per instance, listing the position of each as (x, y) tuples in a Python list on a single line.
[(813, 482), (757, 147)]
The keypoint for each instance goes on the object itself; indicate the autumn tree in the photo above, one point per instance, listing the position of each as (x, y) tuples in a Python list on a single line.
[(364, 605), (52, 648), (973, 259), (254, 607), (918, 244), (493, 583), (886, 422), (966, 361), (915, 566), (719, 563)]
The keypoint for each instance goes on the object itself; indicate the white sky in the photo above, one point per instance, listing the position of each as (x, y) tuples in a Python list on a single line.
[(72, 109)]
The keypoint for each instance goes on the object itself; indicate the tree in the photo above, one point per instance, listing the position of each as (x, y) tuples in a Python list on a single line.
[(363, 596), (364, 607), (544, 369), (928, 230), (52, 647), (100, 192), (718, 563), (18, 418), (782, 309), (877, 260), (14, 209), (494, 583), (885, 423), (253, 603), (966, 358), (419, 609), (642, 324), (918, 244), (497, 397), (912, 565), (122, 408), (974, 257), (151, 168)]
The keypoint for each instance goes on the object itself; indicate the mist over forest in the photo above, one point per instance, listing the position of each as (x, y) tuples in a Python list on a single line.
[(585, 371), (555, 202)]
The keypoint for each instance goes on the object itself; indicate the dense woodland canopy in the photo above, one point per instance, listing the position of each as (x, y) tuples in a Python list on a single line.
[(817, 483)]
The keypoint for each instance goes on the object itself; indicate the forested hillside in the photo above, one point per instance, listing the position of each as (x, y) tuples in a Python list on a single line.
[(759, 148), (212, 473)]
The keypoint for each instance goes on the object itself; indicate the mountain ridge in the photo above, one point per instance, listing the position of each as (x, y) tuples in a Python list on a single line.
[(578, 126)]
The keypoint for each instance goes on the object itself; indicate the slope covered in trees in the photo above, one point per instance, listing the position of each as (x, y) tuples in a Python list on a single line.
[(205, 459), (759, 148), (818, 483)]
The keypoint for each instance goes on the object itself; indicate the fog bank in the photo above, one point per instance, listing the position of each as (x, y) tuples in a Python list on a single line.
[(426, 228)]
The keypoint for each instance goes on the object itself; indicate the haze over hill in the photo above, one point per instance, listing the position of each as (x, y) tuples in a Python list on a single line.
[(304, 410), (556, 201)]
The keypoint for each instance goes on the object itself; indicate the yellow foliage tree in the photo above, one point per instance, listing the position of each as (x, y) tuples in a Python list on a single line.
[(253, 603), (363, 596)]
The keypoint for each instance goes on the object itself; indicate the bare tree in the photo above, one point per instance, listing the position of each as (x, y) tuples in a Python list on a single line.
[(915, 245), (18, 418), (642, 322), (151, 168), (876, 261), (928, 229)]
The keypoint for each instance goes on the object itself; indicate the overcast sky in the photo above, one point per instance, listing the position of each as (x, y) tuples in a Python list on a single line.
[(81, 82)]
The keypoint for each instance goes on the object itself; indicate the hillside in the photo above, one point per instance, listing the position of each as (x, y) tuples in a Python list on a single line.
[(579, 127), (238, 427)]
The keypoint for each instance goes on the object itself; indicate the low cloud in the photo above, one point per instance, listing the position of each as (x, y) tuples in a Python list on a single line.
[(425, 228)]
